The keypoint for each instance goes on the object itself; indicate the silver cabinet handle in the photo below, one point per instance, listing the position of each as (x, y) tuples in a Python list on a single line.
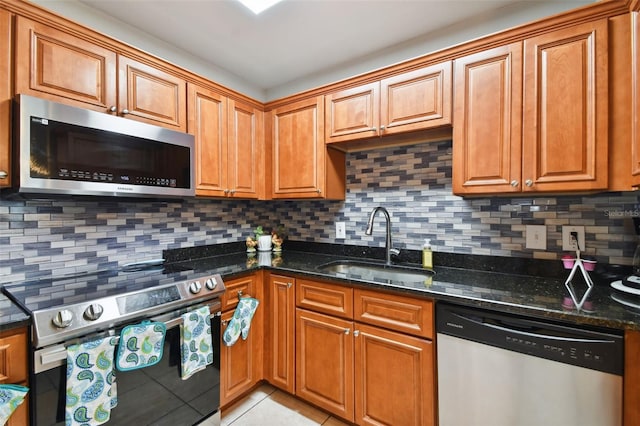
[(356, 333), (226, 191), (125, 111), (382, 128), (515, 183), (347, 330), (3, 174), (528, 182), (113, 108), (289, 285)]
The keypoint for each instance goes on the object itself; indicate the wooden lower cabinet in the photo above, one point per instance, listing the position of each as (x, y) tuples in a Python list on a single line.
[(14, 369), (242, 363), (394, 378), (280, 332), (324, 362)]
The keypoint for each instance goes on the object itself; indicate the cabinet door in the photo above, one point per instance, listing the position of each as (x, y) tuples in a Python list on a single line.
[(237, 288), (151, 95), (13, 357), (565, 133), (5, 98), (635, 111), (299, 150), (237, 373), (324, 362), (59, 66), (20, 416), (245, 141), (394, 378), (487, 122), (208, 123), (353, 113), (280, 344), (416, 100)]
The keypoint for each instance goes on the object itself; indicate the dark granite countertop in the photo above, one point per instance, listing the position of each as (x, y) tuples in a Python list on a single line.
[(11, 316), (535, 296)]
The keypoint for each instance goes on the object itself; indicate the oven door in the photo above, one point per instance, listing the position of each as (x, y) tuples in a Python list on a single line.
[(153, 395)]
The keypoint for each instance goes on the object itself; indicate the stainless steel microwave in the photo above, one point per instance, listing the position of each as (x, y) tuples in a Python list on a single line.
[(60, 149)]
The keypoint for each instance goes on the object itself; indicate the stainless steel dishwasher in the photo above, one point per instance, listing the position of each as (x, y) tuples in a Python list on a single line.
[(497, 369)]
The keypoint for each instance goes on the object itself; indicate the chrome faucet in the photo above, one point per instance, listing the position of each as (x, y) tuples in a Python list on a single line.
[(387, 245)]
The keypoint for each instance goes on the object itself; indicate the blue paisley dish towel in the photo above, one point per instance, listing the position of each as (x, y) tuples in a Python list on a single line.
[(241, 321), (11, 396), (91, 391), (140, 345), (195, 339)]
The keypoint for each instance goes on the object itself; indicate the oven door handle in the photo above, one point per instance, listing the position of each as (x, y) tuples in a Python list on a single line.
[(177, 321)]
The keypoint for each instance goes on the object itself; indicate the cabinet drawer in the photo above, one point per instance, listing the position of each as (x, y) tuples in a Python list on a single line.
[(400, 313), (244, 286), (324, 297), (13, 357)]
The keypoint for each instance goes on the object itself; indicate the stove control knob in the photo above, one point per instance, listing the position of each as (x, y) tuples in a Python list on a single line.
[(63, 318), (93, 311), (211, 283), (195, 287)]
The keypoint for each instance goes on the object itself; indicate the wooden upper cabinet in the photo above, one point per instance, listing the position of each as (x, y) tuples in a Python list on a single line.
[(353, 113), (208, 123), (635, 99), (414, 100), (487, 124), (151, 95), (565, 121), (59, 66), (562, 115), (229, 140), (303, 167), (5, 98), (246, 146)]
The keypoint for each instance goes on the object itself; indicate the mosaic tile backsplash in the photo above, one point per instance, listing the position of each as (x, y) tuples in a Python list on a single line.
[(42, 238)]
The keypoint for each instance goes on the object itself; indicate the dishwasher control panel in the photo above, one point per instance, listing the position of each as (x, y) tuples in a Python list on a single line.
[(601, 350)]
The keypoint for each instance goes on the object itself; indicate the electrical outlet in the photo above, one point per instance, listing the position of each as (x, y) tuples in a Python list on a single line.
[(568, 243), (536, 237), (341, 230)]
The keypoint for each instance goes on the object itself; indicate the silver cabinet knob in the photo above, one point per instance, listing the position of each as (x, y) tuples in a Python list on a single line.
[(319, 191), (3, 174), (211, 283), (93, 312), (515, 183), (382, 128), (125, 111), (63, 318), (528, 182), (347, 330), (113, 108), (239, 294), (356, 333), (289, 285), (226, 191), (233, 191), (195, 287)]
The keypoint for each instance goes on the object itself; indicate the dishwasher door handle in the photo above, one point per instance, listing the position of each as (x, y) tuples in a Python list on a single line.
[(499, 325)]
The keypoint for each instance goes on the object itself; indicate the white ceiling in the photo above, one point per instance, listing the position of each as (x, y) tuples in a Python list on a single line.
[(298, 38)]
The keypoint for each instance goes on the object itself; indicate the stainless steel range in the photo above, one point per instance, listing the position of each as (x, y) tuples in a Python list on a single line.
[(75, 309)]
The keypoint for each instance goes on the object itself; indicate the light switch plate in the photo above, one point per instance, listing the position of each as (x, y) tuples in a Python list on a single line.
[(341, 231), (536, 237)]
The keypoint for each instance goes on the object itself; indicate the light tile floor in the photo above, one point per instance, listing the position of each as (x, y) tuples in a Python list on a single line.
[(268, 406)]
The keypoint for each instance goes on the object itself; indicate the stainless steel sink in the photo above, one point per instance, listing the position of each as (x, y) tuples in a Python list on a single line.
[(372, 271)]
